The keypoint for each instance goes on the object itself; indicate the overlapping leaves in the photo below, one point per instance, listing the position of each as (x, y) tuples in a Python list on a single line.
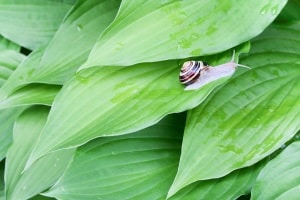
[(179, 29), (22, 184), (248, 118), (236, 125), (31, 23)]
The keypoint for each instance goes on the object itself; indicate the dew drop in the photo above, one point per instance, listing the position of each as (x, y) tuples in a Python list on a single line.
[(82, 79), (265, 9), (119, 46), (274, 10), (79, 27)]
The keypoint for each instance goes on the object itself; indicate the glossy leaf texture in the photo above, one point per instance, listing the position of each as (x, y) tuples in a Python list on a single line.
[(280, 178), (7, 119), (251, 116), (179, 29), (10, 58), (113, 101), (31, 23), (75, 38), (32, 94), (22, 184), (140, 165), (290, 12), (6, 44), (231, 186)]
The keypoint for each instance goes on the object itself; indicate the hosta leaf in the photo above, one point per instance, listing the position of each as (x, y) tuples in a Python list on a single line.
[(74, 39), (146, 31), (7, 119), (24, 184), (250, 117), (70, 46), (33, 94), (9, 60), (115, 100), (231, 186), (2, 197), (18, 79), (280, 178), (8, 45), (141, 165), (31, 23), (290, 11)]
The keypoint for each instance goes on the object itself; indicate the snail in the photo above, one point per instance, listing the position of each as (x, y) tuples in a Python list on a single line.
[(194, 74)]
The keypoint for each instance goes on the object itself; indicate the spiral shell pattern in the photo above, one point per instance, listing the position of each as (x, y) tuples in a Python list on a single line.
[(191, 71)]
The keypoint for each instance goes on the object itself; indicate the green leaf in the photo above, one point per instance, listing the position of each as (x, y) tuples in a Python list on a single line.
[(7, 119), (69, 48), (2, 197), (74, 40), (31, 23), (32, 94), (8, 45), (18, 78), (231, 186), (280, 178), (141, 165), (9, 60), (115, 100), (248, 118), (147, 31), (290, 11), (22, 184)]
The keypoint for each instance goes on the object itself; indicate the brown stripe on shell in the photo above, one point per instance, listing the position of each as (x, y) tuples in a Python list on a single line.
[(190, 72)]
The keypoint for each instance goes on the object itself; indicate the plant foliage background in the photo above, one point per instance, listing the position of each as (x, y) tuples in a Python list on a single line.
[(91, 106)]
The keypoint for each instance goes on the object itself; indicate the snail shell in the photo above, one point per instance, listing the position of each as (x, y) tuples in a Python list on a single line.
[(191, 72)]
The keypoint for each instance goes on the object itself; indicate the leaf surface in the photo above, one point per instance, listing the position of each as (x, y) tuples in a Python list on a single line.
[(31, 23), (140, 165), (56, 62), (114, 101), (22, 184), (280, 178), (171, 29), (32, 94), (248, 118), (231, 186)]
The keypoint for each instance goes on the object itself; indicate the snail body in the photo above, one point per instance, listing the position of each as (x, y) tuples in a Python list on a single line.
[(194, 74)]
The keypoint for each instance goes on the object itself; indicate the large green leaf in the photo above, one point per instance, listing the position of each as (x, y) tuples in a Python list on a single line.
[(7, 119), (74, 39), (18, 78), (231, 186), (67, 50), (9, 60), (115, 100), (280, 178), (31, 23), (8, 45), (141, 165), (146, 31), (290, 11), (248, 118), (24, 184), (33, 94)]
